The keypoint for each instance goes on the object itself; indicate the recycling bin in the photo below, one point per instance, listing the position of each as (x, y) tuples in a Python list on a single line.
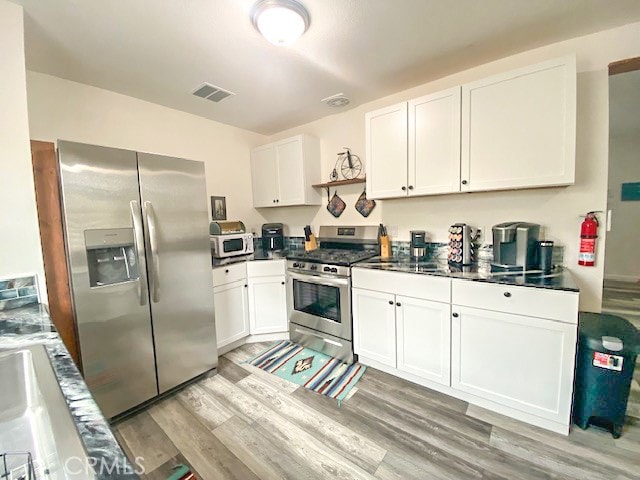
[(607, 350)]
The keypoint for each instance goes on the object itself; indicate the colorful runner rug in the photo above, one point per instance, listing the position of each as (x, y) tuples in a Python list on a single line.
[(313, 370)]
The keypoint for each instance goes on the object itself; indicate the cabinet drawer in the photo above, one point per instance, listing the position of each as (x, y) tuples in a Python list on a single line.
[(530, 301), (229, 273), (266, 268), (414, 285)]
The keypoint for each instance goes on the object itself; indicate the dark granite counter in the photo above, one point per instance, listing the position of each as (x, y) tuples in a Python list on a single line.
[(258, 254), (559, 279), (31, 325)]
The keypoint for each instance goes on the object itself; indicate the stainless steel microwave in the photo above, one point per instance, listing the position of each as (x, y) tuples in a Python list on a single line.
[(231, 244)]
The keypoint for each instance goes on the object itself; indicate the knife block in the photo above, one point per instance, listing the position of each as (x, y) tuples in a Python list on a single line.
[(385, 247), (311, 244)]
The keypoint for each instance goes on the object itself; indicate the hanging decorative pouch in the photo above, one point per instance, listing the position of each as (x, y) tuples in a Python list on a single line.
[(364, 206), (336, 205)]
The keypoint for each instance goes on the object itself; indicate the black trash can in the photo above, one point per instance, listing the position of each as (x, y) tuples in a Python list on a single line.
[(607, 350)]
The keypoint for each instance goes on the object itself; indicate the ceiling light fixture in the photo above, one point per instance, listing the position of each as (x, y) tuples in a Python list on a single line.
[(281, 22)]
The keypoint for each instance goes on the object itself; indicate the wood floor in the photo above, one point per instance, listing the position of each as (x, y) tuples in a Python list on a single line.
[(245, 424)]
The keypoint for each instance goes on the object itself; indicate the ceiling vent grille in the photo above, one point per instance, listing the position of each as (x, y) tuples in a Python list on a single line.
[(211, 92), (337, 100)]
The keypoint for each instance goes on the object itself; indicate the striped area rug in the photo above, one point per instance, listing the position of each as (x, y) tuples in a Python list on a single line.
[(313, 370)]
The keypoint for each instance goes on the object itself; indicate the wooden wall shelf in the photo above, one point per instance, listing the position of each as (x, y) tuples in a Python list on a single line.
[(337, 183)]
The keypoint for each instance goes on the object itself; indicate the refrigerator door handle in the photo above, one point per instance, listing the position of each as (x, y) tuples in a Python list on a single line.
[(139, 241), (155, 258)]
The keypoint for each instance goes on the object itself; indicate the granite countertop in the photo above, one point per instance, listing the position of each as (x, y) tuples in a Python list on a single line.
[(30, 325), (258, 254), (559, 279)]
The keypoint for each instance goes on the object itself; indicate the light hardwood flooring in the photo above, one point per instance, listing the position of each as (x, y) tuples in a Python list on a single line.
[(245, 424)]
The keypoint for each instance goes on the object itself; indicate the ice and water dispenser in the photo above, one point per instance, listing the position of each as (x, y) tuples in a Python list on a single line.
[(111, 256)]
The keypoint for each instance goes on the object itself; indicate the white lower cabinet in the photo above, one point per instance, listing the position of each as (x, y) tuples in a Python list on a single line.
[(267, 304), (423, 330), (521, 362), (374, 325), (232, 312), (410, 334), (510, 349), (249, 299)]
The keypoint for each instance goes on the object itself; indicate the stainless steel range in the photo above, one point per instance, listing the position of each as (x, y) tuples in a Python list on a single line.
[(319, 289)]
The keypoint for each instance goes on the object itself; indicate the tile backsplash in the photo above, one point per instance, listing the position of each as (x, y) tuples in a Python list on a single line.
[(18, 292)]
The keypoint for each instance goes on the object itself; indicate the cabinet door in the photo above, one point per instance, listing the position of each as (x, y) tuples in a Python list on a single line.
[(386, 150), (267, 305), (519, 128), (290, 172), (434, 143), (232, 313), (521, 362), (424, 338), (374, 325), (264, 176)]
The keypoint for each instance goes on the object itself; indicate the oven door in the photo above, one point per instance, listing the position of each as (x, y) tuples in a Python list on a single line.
[(320, 302)]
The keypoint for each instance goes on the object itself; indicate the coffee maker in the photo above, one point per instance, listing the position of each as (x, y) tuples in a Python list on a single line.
[(418, 244), (515, 246), (272, 237)]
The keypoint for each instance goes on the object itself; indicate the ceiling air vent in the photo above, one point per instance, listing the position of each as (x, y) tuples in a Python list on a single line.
[(211, 92), (337, 100)]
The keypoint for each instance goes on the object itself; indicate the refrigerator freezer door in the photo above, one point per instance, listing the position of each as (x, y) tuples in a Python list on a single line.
[(176, 219), (103, 231)]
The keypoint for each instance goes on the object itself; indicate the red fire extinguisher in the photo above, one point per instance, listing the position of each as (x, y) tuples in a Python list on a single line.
[(588, 236)]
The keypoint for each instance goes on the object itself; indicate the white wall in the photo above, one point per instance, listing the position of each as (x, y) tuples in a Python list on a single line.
[(622, 261), (557, 209), (20, 238), (66, 110)]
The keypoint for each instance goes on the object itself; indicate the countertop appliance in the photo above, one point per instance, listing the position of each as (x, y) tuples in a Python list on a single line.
[(418, 244), (272, 237), (140, 268), (319, 289), (515, 246), (461, 245), (229, 239)]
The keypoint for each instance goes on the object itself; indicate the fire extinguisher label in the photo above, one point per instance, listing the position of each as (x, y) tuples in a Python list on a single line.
[(587, 249), (605, 360)]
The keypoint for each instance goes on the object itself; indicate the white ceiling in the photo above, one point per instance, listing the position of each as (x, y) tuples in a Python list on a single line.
[(161, 50)]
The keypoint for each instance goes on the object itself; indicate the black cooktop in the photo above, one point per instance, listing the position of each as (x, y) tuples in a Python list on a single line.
[(333, 256)]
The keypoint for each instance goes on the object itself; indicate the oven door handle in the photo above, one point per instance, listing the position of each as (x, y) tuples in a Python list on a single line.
[(320, 279)]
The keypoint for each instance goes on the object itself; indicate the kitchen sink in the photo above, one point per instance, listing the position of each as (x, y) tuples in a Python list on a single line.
[(35, 423)]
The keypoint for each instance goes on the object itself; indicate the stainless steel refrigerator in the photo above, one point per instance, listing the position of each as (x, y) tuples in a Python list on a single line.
[(137, 239)]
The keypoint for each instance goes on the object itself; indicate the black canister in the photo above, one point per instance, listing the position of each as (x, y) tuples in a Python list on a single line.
[(545, 248)]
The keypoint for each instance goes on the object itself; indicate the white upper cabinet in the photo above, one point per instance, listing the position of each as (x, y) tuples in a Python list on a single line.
[(413, 148), (386, 151), (513, 130), (282, 173), (264, 176), (519, 128), (434, 143)]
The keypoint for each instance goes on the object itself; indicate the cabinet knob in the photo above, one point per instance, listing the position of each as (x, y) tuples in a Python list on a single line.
[(390, 302), (464, 182), (398, 304), (226, 271), (410, 187), (455, 315), (277, 201), (246, 286), (507, 294), (404, 188), (281, 283)]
